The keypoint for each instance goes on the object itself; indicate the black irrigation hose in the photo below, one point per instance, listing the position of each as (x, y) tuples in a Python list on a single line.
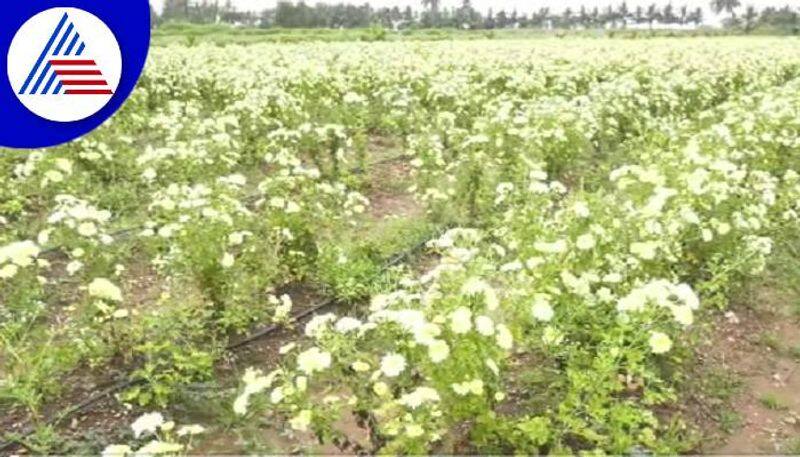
[(393, 261), (126, 383)]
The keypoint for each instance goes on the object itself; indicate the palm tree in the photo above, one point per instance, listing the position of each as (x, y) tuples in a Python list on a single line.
[(684, 14), (567, 15), (697, 16), (652, 14), (583, 17), (623, 12), (750, 16), (594, 16), (728, 6), (638, 16), (668, 14), (434, 7), (543, 15)]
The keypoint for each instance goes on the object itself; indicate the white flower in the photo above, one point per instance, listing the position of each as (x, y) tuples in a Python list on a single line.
[(347, 324), (660, 343), (380, 389), (541, 309), (687, 295), (581, 209), (8, 271), (493, 366), (313, 360), (292, 207), (438, 351), (474, 387), (317, 324), (87, 229), (612, 278), (43, 237), (504, 337), (235, 239), (286, 348), (227, 260), (392, 365), (645, 251), (477, 286), (147, 423), (116, 450), (683, 315), (585, 242), (359, 366), (551, 336), (556, 247), (74, 266), (461, 320), (283, 308), (277, 202), (484, 325), (54, 176), (301, 421), (276, 395), (149, 174), (104, 289), (20, 253), (64, 165), (418, 397), (414, 431), (191, 430), (156, 447)]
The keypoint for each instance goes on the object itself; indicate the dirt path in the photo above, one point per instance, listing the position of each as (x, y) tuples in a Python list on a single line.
[(755, 355)]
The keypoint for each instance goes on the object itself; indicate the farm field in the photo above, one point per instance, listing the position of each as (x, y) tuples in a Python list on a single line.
[(473, 247)]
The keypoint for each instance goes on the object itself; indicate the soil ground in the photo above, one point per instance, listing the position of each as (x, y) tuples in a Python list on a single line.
[(751, 361)]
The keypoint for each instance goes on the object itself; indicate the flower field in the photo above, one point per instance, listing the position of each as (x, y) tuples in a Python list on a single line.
[(405, 248)]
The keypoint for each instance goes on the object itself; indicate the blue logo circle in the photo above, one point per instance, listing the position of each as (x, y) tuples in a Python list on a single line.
[(70, 65)]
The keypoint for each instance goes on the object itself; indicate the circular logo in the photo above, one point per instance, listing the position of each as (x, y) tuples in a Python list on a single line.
[(64, 64), (70, 65)]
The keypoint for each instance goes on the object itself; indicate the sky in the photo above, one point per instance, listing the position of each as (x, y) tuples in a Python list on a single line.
[(509, 5)]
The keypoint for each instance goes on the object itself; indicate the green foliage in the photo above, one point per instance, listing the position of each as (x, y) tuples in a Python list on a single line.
[(596, 209)]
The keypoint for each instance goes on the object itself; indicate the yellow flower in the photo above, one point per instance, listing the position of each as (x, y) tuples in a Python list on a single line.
[(104, 289), (414, 431), (438, 351), (660, 343), (380, 389)]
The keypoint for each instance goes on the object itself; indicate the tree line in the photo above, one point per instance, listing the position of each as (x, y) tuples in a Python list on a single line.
[(290, 14)]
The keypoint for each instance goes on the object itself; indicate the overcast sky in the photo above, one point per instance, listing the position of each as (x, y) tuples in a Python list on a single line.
[(521, 5)]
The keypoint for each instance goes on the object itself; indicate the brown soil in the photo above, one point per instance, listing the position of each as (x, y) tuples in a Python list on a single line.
[(757, 347), (389, 180)]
